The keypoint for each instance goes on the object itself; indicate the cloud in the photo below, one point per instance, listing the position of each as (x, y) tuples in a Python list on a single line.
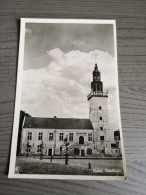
[(61, 88)]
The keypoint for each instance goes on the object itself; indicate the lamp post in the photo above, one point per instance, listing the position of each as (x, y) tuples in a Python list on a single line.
[(66, 154), (27, 148), (41, 156)]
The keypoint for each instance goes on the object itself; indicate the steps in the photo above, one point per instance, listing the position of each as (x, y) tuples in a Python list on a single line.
[(80, 146), (69, 148)]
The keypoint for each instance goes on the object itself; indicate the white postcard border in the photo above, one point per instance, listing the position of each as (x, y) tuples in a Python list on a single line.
[(12, 173)]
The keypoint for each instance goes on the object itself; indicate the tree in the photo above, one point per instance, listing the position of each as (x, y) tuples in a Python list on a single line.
[(23, 114)]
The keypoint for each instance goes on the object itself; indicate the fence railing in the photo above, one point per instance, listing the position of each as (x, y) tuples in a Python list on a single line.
[(99, 94)]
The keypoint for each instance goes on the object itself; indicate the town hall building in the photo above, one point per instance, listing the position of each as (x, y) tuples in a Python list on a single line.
[(85, 137)]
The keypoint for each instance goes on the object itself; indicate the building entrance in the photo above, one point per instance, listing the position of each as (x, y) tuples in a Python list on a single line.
[(50, 153), (81, 140), (82, 152)]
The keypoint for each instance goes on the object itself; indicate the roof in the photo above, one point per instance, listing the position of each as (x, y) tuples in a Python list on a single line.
[(57, 123)]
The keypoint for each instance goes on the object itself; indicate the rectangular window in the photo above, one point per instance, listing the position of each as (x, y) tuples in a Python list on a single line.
[(60, 148), (39, 148), (29, 136), (28, 148), (117, 135), (100, 107), (102, 138), (101, 128), (51, 135), (89, 136), (101, 118), (71, 137), (61, 136), (40, 137)]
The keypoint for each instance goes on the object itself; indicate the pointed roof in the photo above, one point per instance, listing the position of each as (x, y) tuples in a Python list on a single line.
[(96, 69)]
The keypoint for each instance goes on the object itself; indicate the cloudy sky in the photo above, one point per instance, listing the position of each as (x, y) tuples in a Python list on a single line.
[(58, 63)]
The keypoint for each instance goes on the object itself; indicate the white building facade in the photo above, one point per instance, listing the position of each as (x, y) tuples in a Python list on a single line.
[(86, 137)]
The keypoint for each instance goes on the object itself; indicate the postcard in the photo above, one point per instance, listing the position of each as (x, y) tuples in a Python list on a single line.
[(67, 122)]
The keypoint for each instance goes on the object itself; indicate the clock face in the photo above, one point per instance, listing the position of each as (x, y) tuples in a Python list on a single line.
[(96, 77)]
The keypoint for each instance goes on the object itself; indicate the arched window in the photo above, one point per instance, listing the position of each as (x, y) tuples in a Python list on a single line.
[(81, 140), (94, 88)]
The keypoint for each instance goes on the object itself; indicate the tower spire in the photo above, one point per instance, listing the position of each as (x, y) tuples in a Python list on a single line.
[(96, 84)]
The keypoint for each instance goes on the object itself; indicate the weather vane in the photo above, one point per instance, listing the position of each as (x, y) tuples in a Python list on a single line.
[(95, 57)]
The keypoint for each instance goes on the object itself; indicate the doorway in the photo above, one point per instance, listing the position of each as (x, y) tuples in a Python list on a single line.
[(76, 151), (82, 152), (81, 140), (50, 152)]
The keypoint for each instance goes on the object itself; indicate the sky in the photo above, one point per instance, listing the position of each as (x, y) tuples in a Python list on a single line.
[(58, 63)]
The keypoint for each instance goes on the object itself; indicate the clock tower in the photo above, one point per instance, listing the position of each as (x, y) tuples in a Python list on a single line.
[(98, 112), (96, 84)]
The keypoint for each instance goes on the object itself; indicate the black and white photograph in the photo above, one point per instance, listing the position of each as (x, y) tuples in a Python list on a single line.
[(67, 122)]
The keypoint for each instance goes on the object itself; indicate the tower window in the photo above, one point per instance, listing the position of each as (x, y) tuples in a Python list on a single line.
[(102, 138), (89, 136), (61, 136), (29, 136), (98, 77), (98, 87), (40, 137), (113, 146), (101, 128), (117, 135), (51, 136), (100, 107), (94, 89), (71, 137), (100, 118)]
